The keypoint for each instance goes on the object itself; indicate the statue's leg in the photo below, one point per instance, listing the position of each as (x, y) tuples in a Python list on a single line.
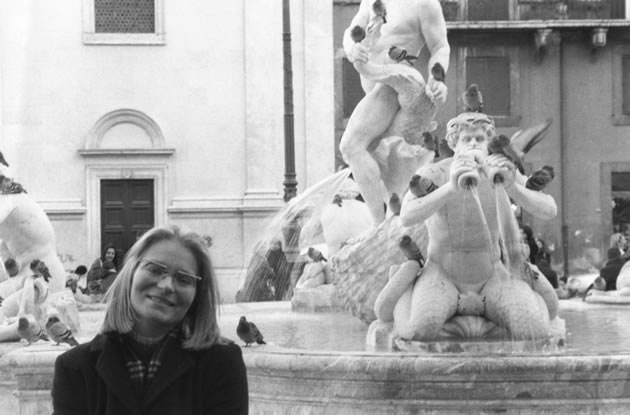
[(369, 120), (511, 303), (421, 312), (400, 282)]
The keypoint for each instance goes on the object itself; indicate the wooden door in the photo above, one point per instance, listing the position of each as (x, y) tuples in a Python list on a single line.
[(127, 210)]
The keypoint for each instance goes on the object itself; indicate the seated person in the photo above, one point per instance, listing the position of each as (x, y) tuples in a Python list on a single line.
[(100, 284), (610, 271), (104, 267), (607, 279), (80, 276), (73, 284)]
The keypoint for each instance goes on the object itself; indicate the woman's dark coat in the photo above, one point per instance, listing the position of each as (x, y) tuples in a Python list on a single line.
[(92, 379)]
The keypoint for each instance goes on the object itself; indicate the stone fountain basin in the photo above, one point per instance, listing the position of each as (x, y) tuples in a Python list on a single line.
[(298, 380)]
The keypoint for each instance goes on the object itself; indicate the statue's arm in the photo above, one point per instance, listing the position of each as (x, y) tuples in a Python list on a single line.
[(415, 209), (361, 19), (433, 29), (537, 203), (418, 209)]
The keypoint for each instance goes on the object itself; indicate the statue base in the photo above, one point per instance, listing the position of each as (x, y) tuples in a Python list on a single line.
[(318, 299), (381, 337)]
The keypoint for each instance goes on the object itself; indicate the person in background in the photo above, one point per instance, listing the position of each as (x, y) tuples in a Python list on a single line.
[(612, 267), (543, 262), (103, 271), (618, 241), (80, 275), (159, 350), (77, 283), (527, 233)]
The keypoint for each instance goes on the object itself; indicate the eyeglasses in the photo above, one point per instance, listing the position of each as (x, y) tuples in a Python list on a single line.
[(181, 279)]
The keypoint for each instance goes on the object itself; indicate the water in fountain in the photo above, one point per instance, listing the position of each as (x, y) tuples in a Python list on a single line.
[(296, 226)]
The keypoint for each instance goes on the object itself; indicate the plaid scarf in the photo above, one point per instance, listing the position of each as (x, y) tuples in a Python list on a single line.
[(140, 373)]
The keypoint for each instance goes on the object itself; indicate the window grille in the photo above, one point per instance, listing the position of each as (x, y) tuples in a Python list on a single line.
[(124, 16)]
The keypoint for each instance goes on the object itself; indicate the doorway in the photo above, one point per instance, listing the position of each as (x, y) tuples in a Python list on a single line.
[(127, 211)]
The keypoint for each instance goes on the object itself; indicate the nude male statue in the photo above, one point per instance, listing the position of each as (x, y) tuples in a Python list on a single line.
[(464, 272), (410, 25)]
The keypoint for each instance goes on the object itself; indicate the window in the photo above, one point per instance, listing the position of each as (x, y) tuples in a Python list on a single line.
[(480, 10), (621, 85), (621, 201), (492, 75), (625, 84), (495, 70), (131, 22)]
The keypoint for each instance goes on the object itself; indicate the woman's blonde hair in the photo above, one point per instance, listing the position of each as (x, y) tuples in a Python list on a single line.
[(200, 328)]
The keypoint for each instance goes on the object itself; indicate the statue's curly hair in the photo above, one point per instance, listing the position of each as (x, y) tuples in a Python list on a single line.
[(467, 120)]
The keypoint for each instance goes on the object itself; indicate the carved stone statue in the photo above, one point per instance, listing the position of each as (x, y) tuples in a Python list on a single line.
[(26, 235), (474, 261), (382, 41)]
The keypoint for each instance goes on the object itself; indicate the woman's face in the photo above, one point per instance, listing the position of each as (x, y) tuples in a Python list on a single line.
[(110, 254), (159, 293)]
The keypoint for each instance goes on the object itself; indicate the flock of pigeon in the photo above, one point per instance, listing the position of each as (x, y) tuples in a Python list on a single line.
[(55, 330)]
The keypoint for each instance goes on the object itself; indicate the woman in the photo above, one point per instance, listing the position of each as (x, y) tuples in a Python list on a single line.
[(159, 350), (103, 271)]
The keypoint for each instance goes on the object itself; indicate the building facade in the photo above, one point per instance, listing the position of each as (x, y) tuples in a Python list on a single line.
[(118, 115)]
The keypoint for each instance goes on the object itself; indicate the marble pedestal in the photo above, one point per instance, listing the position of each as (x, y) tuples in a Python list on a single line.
[(287, 381)]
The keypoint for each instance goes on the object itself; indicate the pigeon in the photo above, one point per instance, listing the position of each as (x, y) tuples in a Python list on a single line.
[(473, 100), (540, 178), (430, 142), (42, 269), (248, 332), (357, 34), (315, 255), (395, 204), (411, 250), (498, 143), (3, 160), (400, 55), (421, 186), (520, 144), (8, 186), (59, 332), (30, 330), (378, 7), (438, 72)]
